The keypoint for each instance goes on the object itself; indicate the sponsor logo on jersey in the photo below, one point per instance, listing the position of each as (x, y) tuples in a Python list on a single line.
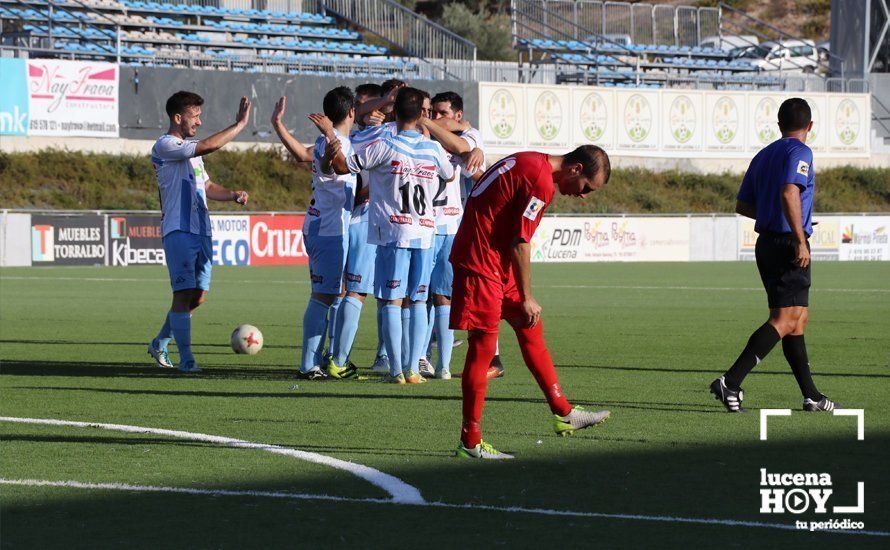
[(393, 283), (426, 172), (451, 211), (312, 211), (803, 168), (426, 222), (316, 278), (421, 289), (535, 206), (401, 219), (353, 278)]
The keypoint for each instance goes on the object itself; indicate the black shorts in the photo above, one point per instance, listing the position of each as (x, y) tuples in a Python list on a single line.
[(786, 283)]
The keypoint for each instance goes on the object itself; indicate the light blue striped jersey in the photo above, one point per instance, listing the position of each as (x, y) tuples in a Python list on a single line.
[(181, 180), (332, 195), (404, 172)]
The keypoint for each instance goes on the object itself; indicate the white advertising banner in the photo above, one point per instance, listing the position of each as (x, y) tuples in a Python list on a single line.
[(638, 123), (629, 239), (661, 123), (865, 238), (502, 115), (73, 98), (593, 116), (682, 117), (231, 240), (824, 242), (763, 128), (548, 110), (725, 122), (851, 127), (817, 138)]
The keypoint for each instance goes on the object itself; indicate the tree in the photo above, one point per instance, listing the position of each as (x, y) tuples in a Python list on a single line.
[(490, 33)]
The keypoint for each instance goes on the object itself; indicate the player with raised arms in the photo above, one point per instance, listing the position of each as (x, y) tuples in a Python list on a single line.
[(184, 187), (491, 256), (326, 234), (402, 177)]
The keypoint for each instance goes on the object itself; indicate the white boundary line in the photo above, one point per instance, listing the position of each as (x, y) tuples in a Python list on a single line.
[(505, 509), (401, 492), (303, 282)]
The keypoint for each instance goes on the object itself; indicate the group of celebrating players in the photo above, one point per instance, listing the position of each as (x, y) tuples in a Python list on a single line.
[(403, 209)]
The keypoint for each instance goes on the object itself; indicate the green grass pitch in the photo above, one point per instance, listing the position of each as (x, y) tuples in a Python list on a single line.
[(643, 340)]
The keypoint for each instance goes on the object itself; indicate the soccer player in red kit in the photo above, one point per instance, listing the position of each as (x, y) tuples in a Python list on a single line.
[(492, 278)]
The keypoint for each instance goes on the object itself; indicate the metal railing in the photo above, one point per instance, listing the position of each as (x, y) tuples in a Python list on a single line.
[(542, 23), (54, 7), (642, 23), (408, 31)]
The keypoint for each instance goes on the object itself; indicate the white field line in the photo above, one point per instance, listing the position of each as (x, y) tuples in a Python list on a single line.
[(401, 492), (303, 282), (505, 509)]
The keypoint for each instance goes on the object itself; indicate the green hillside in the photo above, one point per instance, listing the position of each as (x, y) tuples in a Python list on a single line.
[(70, 180)]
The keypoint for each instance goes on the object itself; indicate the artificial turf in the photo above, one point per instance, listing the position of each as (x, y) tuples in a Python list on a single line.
[(643, 340)]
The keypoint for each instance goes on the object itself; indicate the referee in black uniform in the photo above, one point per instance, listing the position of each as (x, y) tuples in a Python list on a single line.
[(777, 192)]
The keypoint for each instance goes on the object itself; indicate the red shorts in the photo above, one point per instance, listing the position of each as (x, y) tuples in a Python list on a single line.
[(479, 303)]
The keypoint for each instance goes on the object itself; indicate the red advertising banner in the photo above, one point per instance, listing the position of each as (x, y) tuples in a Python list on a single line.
[(277, 240)]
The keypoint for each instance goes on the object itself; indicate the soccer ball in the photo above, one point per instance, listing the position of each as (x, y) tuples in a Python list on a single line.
[(247, 339)]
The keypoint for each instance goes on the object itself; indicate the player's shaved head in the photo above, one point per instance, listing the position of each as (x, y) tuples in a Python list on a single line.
[(594, 162), (583, 171), (338, 103), (794, 115), (409, 104)]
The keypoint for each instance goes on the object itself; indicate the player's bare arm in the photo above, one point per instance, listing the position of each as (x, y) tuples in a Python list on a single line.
[(450, 142), (377, 103), (474, 161), (521, 257), (334, 158), (292, 144), (791, 206), (217, 192), (746, 209), (374, 118), (453, 125), (221, 138)]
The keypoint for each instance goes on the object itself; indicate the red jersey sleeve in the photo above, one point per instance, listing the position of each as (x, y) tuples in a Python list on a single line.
[(533, 198)]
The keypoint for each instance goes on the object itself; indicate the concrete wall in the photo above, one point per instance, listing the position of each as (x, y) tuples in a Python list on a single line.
[(144, 90)]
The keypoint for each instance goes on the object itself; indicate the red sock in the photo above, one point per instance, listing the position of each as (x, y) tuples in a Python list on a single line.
[(473, 382), (537, 359)]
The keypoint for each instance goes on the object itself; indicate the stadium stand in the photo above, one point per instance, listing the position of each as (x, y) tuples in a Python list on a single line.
[(633, 45), (557, 41), (196, 36)]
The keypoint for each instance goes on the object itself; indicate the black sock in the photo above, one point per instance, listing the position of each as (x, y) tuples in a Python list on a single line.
[(759, 345), (796, 353)]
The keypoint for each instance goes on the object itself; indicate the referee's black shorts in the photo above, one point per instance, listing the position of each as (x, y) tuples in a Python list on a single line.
[(786, 283)]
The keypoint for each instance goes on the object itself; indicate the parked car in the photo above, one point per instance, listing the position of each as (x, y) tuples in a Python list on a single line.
[(729, 41), (794, 56)]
